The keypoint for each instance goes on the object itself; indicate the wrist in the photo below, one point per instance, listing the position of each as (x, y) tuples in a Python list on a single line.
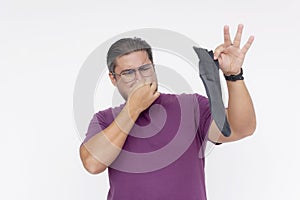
[(133, 112), (126, 119), (235, 77)]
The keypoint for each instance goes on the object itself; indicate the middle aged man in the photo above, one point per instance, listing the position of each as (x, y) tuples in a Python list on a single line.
[(141, 126)]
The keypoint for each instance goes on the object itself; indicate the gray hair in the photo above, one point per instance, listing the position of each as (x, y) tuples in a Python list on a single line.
[(126, 46)]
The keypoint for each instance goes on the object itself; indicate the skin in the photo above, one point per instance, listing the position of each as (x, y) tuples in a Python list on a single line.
[(131, 61), (240, 111), (139, 95), (142, 92)]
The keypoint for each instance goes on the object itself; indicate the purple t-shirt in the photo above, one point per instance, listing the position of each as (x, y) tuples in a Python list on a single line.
[(163, 155)]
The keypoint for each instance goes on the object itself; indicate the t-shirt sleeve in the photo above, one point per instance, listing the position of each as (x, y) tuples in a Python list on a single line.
[(96, 125)]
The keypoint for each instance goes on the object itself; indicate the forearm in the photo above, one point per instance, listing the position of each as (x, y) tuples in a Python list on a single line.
[(240, 112), (105, 146)]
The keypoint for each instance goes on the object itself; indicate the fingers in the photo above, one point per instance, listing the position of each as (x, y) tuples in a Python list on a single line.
[(153, 86), (238, 36), (247, 46), (227, 40), (144, 85), (218, 51), (136, 86), (156, 95), (223, 48)]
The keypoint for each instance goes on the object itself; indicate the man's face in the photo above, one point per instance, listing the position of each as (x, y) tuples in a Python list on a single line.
[(127, 62)]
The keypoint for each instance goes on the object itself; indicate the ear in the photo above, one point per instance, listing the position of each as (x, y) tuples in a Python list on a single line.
[(112, 79)]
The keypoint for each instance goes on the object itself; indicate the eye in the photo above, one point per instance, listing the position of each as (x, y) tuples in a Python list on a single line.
[(145, 67), (128, 72)]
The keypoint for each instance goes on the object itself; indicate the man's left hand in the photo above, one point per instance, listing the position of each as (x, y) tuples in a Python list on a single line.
[(230, 55)]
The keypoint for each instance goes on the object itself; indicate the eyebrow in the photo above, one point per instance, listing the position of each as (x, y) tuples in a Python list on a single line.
[(147, 58), (126, 70)]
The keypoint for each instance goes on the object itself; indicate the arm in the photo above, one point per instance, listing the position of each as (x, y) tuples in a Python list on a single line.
[(104, 147), (240, 111)]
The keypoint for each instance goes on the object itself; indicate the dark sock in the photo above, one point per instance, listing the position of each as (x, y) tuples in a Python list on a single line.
[(209, 74)]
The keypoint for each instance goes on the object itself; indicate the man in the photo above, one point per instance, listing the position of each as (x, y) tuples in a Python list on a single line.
[(141, 126)]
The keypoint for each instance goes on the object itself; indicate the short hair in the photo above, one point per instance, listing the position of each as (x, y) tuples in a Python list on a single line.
[(126, 46)]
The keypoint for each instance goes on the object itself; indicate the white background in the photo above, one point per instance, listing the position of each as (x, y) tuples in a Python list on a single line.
[(44, 43)]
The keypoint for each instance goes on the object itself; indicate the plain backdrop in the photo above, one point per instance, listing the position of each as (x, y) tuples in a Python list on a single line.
[(43, 45)]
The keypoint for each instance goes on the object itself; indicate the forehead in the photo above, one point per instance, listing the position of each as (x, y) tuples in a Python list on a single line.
[(132, 60)]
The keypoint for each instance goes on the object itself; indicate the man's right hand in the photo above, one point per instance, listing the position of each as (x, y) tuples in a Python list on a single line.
[(141, 97)]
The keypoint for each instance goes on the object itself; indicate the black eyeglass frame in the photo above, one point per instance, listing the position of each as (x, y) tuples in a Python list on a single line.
[(134, 70)]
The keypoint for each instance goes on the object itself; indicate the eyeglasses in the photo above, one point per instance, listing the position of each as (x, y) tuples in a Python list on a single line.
[(129, 75)]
